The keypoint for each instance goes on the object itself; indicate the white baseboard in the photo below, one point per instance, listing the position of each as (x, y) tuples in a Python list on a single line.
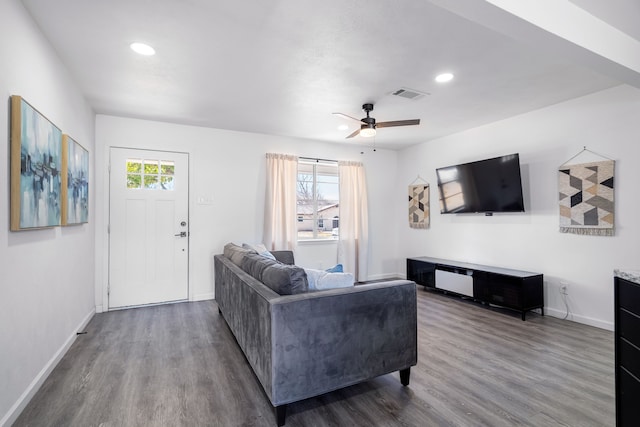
[(579, 319), (384, 276), (204, 297), (99, 309), (14, 412)]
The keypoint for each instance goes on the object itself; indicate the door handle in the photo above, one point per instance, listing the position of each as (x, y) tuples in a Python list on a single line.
[(181, 234)]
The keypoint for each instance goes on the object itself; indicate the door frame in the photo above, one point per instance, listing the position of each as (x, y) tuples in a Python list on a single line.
[(107, 222)]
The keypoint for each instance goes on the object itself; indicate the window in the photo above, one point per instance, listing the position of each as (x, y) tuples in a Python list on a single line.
[(150, 174), (318, 209)]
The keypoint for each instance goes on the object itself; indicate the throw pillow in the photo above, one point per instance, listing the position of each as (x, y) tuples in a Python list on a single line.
[(285, 279), (335, 269), (260, 249), (254, 265), (235, 253), (335, 280), (320, 280)]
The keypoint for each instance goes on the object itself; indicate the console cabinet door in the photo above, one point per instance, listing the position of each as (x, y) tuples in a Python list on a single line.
[(498, 289), (423, 273), (627, 352)]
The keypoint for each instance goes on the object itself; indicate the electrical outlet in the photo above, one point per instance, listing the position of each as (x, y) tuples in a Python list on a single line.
[(564, 287)]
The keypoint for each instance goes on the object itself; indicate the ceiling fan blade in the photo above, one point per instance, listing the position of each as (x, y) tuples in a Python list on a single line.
[(356, 132), (398, 123), (346, 116)]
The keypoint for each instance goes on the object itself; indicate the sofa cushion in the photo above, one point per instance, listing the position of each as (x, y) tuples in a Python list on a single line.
[(285, 257), (254, 264), (281, 278), (260, 249), (285, 279), (236, 253)]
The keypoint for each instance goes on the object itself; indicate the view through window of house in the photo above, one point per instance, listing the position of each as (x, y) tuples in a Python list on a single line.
[(150, 174), (318, 209)]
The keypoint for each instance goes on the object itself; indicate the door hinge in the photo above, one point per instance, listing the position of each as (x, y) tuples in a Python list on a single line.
[(108, 290)]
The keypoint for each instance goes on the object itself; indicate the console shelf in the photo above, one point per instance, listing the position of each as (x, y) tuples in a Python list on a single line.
[(514, 289)]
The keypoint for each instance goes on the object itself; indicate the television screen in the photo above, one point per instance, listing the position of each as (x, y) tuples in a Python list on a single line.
[(491, 185)]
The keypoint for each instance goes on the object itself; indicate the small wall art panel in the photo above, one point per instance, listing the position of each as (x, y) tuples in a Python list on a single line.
[(586, 198), (36, 164), (419, 206), (75, 182)]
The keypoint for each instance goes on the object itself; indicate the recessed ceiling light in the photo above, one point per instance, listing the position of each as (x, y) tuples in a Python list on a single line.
[(444, 77), (142, 49), (343, 127)]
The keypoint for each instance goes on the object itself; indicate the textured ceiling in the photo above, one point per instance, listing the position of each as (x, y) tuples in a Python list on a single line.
[(281, 67)]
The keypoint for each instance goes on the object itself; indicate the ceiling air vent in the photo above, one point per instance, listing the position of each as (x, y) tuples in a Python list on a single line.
[(411, 94)]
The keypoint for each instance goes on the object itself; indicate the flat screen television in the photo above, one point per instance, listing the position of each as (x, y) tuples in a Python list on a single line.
[(491, 185)]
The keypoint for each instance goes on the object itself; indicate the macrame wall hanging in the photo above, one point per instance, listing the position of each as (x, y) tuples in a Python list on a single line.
[(419, 204), (586, 193)]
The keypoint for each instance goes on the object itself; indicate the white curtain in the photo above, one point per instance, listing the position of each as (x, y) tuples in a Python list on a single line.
[(353, 245), (280, 228)]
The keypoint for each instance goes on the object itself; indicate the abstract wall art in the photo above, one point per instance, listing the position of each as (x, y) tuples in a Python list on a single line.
[(586, 198), (36, 164), (419, 206), (75, 182)]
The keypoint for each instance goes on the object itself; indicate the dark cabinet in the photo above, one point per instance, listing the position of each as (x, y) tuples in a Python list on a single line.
[(423, 273), (627, 351), (514, 289)]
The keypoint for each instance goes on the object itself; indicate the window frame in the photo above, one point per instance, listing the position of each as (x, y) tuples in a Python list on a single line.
[(315, 219)]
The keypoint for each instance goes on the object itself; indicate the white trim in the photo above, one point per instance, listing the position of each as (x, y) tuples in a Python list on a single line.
[(579, 319), (392, 276), (203, 297), (14, 412), (304, 242)]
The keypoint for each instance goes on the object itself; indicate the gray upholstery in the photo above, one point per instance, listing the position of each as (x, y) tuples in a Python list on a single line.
[(236, 253), (285, 257), (307, 344), (283, 278)]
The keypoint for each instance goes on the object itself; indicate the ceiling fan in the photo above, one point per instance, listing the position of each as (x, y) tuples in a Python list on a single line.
[(368, 124)]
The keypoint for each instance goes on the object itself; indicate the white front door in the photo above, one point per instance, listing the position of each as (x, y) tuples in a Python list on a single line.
[(148, 227)]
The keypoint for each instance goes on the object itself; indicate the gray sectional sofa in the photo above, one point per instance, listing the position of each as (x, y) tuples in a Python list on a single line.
[(309, 343)]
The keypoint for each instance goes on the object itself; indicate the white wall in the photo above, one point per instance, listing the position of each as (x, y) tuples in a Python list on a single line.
[(607, 123), (229, 169), (46, 282)]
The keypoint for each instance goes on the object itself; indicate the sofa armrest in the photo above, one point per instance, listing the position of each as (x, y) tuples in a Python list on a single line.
[(323, 341), (285, 257)]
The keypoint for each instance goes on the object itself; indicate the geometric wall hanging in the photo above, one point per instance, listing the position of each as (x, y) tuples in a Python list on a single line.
[(419, 206), (586, 198)]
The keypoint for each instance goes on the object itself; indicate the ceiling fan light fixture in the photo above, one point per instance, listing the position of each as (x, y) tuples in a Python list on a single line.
[(444, 77), (367, 131), (142, 49)]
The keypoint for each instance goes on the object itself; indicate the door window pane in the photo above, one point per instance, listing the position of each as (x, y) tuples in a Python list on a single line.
[(150, 174), (151, 181)]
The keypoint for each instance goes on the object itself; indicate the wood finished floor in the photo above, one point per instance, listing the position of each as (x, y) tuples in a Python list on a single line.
[(179, 365)]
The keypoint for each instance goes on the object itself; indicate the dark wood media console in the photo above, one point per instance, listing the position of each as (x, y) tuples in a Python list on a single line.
[(514, 289)]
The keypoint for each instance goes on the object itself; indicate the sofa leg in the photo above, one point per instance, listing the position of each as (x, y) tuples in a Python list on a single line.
[(404, 376), (281, 414)]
